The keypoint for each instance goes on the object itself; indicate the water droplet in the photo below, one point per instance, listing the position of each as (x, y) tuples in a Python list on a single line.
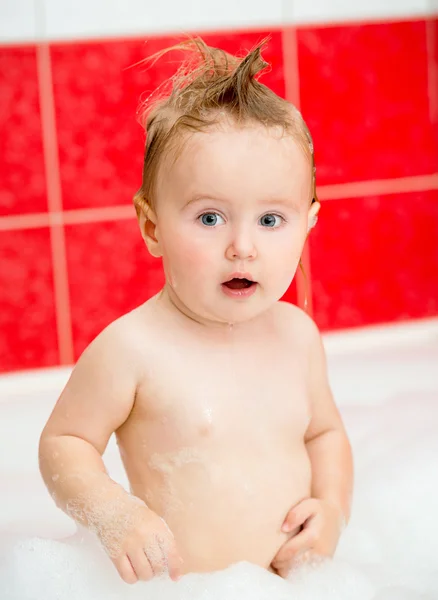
[(172, 280), (208, 412)]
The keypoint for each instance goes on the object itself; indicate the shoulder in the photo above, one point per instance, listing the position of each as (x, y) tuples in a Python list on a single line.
[(297, 322), (118, 343), (306, 338), (302, 334)]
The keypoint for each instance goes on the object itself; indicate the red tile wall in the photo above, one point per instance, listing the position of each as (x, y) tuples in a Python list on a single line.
[(22, 180), (369, 95), (364, 95), (385, 269), (108, 277), (27, 307)]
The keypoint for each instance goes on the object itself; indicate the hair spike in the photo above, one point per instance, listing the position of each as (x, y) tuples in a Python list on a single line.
[(207, 84)]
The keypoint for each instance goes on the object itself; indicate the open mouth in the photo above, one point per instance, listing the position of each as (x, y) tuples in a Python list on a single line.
[(238, 284)]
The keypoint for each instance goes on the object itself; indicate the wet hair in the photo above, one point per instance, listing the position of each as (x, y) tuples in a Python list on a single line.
[(210, 85)]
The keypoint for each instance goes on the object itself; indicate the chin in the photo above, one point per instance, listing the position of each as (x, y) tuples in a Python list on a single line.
[(242, 314)]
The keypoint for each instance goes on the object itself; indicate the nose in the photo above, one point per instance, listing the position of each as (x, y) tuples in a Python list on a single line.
[(241, 245)]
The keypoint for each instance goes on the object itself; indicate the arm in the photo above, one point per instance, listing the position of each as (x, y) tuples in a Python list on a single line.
[(326, 439), (323, 515), (95, 402)]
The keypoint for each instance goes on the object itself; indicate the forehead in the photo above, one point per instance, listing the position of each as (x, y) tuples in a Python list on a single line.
[(228, 160)]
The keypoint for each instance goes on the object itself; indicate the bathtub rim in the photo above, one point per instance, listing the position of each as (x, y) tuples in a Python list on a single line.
[(415, 332)]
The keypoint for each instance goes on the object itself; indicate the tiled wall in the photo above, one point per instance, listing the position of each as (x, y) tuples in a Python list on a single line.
[(71, 257)]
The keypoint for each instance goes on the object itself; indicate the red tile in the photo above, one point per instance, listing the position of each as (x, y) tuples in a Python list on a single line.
[(432, 31), (364, 95), (27, 315), (432, 38), (96, 98), (110, 272), (22, 177), (100, 142), (375, 260)]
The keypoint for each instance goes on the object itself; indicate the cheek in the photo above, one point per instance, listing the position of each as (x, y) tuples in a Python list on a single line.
[(283, 257), (288, 245), (188, 254)]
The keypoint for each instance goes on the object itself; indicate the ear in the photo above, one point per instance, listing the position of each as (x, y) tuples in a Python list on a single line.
[(312, 217), (148, 228)]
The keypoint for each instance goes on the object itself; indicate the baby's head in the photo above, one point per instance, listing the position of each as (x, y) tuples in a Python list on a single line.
[(228, 192)]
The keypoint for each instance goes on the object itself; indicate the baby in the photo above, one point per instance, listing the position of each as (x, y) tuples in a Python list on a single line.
[(216, 390)]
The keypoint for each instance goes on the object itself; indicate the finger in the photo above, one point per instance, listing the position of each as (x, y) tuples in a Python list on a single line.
[(157, 556), (284, 571), (287, 567), (125, 569), (141, 565), (175, 562), (299, 514), (300, 559), (300, 543)]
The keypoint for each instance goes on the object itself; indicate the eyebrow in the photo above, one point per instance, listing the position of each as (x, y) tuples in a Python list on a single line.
[(276, 201), (198, 197), (284, 202)]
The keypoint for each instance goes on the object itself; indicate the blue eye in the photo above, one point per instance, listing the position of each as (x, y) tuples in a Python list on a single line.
[(271, 220), (211, 219)]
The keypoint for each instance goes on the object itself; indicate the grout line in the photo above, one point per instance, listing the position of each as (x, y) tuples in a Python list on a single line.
[(54, 200), (290, 65), (30, 221), (292, 85), (78, 216), (67, 217), (92, 215), (416, 183), (304, 284)]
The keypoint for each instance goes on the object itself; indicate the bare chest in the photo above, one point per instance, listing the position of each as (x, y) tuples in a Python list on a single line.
[(213, 397)]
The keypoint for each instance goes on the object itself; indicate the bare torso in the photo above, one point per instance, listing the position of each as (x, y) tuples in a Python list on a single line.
[(215, 441)]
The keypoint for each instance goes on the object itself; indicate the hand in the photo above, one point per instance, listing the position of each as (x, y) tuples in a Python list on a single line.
[(140, 544), (321, 522)]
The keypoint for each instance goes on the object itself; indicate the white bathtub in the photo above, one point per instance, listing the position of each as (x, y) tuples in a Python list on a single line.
[(385, 381)]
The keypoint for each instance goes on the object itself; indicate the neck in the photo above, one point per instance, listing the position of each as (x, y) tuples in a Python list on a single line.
[(170, 301)]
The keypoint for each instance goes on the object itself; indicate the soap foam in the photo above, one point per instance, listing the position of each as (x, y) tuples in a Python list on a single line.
[(387, 552), (75, 569)]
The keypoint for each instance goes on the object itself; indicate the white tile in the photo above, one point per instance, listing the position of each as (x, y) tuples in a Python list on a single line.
[(27, 20), (97, 18), (17, 20), (320, 11)]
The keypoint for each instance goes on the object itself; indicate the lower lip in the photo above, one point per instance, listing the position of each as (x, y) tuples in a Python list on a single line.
[(242, 293)]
